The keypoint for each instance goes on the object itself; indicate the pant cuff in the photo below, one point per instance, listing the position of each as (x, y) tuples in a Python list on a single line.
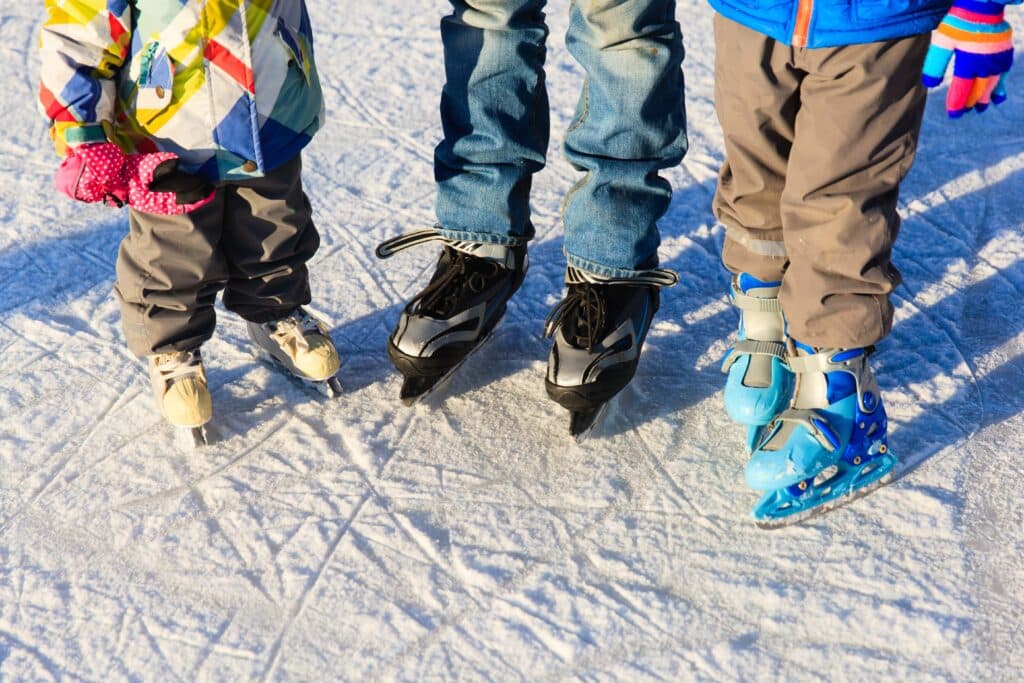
[(605, 271), (482, 237)]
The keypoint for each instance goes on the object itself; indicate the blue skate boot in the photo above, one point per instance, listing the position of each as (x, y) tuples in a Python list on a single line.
[(759, 384), (829, 447)]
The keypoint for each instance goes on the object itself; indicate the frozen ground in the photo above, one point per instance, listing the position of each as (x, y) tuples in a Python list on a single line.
[(361, 540)]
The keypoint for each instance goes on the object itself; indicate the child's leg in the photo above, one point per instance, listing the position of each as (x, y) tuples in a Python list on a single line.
[(494, 112), (630, 124), (269, 236), (757, 96), (169, 271), (856, 134), (856, 137)]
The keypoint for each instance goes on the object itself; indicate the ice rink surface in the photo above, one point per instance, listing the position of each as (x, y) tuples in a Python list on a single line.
[(472, 539)]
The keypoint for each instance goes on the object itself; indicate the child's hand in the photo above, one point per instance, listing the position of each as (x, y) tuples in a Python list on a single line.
[(94, 173), (155, 185), (980, 42), (150, 183)]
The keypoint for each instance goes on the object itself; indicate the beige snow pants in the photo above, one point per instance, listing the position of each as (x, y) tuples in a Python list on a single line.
[(252, 241), (817, 142)]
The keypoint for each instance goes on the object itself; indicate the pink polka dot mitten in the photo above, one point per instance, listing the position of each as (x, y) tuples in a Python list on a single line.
[(94, 173), (150, 183), (155, 185)]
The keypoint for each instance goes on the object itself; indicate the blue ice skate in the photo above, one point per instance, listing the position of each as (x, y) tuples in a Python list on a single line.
[(759, 385), (829, 447)]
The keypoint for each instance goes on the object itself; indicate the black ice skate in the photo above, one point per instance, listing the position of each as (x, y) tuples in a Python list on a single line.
[(599, 329), (456, 313)]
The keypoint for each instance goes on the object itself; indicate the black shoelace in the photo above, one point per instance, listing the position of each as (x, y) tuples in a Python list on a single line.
[(466, 275), (584, 307)]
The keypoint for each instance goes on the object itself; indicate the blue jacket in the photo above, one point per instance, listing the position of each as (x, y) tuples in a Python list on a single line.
[(833, 23)]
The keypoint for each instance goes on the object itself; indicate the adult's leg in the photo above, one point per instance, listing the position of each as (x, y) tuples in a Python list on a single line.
[(629, 125), (269, 236), (856, 137), (494, 114), (169, 270)]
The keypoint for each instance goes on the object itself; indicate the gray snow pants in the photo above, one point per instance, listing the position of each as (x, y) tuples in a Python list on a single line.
[(817, 142), (252, 241)]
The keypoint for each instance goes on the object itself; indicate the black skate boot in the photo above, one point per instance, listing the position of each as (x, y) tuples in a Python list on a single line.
[(599, 329), (456, 313)]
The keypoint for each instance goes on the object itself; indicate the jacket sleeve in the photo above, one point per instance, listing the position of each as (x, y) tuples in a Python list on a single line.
[(83, 44)]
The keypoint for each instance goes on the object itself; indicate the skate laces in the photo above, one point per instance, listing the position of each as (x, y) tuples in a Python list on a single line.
[(584, 310), (290, 333), (178, 364), (465, 275)]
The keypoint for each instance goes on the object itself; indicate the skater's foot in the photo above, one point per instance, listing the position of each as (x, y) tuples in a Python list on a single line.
[(599, 330), (179, 388), (299, 342), (829, 446), (759, 384), (456, 312)]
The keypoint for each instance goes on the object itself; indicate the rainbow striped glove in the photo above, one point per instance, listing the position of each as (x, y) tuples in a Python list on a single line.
[(980, 42)]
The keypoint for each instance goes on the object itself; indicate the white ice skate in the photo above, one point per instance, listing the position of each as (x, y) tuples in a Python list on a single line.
[(180, 391), (302, 345)]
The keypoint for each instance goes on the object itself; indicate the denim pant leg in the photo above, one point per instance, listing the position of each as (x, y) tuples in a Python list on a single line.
[(494, 114), (630, 124)]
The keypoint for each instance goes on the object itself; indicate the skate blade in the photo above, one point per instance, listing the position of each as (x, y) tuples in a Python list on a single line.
[(200, 437), (416, 390), (582, 423), (329, 388), (192, 438), (830, 504)]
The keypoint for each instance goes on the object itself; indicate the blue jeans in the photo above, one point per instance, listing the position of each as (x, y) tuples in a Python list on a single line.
[(629, 125)]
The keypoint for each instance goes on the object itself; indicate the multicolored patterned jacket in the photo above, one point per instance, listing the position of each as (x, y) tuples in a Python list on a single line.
[(228, 85)]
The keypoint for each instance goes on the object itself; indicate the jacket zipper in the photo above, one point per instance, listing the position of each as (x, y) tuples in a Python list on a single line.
[(805, 8)]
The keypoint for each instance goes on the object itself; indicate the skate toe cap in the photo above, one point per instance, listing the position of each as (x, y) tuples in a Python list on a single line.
[(320, 361), (187, 403)]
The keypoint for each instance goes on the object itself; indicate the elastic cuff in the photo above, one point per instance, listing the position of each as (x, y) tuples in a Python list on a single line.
[(765, 243), (70, 134), (187, 344), (605, 271), (482, 237)]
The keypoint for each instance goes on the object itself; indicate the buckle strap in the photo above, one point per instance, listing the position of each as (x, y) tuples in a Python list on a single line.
[(825, 360), (755, 304), (752, 347), (815, 423), (178, 364)]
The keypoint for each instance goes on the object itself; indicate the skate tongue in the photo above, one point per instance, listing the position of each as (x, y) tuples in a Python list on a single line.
[(499, 253)]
